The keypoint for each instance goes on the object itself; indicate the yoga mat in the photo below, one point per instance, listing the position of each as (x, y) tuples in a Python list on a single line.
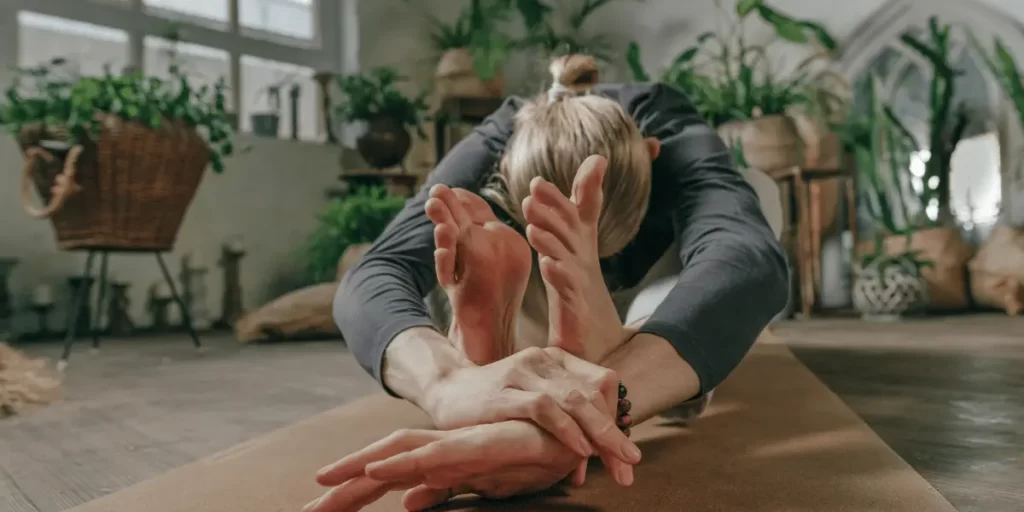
[(774, 439)]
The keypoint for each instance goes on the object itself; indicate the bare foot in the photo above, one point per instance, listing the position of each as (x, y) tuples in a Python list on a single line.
[(483, 266), (581, 315)]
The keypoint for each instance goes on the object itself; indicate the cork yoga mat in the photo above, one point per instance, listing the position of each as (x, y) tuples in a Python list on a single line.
[(774, 439)]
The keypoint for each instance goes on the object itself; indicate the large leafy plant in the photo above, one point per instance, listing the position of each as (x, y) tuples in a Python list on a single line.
[(882, 148), (558, 32), (357, 219), (730, 79), (947, 120), (52, 97), (480, 28), (371, 95)]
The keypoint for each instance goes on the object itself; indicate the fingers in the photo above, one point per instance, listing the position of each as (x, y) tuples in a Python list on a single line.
[(597, 425), (423, 497), (545, 412), (353, 495), (354, 465), (579, 476), (588, 189)]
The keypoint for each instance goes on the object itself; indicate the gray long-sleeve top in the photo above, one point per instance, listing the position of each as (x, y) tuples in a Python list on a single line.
[(734, 276)]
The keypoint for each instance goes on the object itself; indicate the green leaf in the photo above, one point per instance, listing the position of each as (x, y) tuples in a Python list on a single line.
[(745, 7), (635, 64), (821, 34)]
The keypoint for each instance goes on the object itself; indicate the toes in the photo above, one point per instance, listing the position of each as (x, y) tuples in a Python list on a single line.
[(548, 195), (559, 276), (546, 243), (587, 188), (447, 196), (476, 207), (438, 212), (542, 216), (445, 239)]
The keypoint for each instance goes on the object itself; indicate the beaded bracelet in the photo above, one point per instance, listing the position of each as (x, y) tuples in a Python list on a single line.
[(624, 420)]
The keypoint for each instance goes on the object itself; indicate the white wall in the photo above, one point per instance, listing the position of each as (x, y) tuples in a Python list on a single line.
[(268, 196)]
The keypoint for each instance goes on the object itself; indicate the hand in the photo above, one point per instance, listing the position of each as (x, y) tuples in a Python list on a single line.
[(494, 461), (572, 399)]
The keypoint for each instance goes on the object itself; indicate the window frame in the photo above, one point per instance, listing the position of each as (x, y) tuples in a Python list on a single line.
[(323, 53)]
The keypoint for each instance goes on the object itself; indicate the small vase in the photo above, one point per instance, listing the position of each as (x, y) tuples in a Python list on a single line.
[(385, 143), (265, 125), (890, 292)]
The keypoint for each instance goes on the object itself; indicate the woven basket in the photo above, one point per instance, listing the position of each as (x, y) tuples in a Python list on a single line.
[(128, 190)]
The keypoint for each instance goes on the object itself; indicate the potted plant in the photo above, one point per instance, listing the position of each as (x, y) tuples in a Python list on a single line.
[(473, 50), (556, 33), (357, 219), (751, 105), (886, 287), (888, 278), (95, 147), (374, 98)]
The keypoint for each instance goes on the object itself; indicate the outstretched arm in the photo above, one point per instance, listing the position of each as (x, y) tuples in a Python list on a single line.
[(734, 276)]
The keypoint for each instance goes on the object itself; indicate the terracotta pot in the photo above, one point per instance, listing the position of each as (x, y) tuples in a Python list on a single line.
[(385, 143), (456, 77), (769, 143)]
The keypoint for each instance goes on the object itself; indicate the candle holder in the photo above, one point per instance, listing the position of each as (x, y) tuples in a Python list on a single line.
[(232, 310), (194, 290), (42, 312), (6, 307), (119, 322), (160, 299)]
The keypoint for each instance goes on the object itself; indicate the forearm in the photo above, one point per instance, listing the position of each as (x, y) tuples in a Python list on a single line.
[(655, 375), (417, 359)]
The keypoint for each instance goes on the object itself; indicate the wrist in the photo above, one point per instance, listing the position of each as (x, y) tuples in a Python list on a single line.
[(416, 361)]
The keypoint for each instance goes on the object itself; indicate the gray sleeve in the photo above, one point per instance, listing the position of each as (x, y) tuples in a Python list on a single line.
[(383, 295), (734, 276)]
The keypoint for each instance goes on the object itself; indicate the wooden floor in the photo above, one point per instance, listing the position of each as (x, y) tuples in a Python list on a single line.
[(142, 407), (946, 394)]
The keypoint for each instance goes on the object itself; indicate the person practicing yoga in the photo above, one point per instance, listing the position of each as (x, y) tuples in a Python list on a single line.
[(595, 240)]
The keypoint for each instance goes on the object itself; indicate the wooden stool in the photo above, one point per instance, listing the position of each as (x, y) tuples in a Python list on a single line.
[(805, 187)]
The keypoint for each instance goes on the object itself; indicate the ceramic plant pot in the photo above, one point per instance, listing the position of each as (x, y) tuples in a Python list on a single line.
[(889, 291), (385, 143)]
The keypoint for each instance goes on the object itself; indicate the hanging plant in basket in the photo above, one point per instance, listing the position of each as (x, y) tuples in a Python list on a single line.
[(116, 159)]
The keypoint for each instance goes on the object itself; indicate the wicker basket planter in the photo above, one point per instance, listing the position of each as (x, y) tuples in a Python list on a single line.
[(127, 190)]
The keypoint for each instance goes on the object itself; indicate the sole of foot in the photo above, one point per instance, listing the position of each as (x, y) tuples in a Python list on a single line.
[(483, 265)]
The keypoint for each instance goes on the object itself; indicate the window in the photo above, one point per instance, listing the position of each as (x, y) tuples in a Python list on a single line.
[(88, 49), (260, 77), (293, 18), (252, 44), (212, 10), (203, 65)]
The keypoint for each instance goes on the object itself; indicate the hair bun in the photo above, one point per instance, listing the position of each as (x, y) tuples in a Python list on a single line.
[(577, 72)]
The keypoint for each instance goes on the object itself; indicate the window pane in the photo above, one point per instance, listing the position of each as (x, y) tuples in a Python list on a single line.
[(88, 49), (293, 18), (259, 76), (203, 65), (214, 10)]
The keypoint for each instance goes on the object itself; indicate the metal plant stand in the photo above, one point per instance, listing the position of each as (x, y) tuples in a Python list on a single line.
[(81, 299)]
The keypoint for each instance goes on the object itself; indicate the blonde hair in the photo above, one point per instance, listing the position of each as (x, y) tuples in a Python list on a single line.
[(557, 131)]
